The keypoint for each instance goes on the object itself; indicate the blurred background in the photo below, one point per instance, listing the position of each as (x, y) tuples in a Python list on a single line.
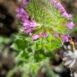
[(8, 29)]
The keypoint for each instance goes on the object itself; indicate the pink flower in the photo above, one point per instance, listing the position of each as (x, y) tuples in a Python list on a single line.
[(33, 24), (60, 7), (68, 16), (45, 34), (53, 2), (26, 23), (56, 34), (20, 12), (35, 36), (65, 38), (29, 25), (25, 1), (28, 31), (70, 25)]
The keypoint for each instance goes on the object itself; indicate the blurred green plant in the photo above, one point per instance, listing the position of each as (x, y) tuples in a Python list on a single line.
[(30, 53)]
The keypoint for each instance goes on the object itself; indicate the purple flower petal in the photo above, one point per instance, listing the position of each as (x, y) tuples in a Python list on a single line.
[(35, 36), (56, 34), (45, 34), (65, 38), (26, 23), (70, 25), (25, 1), (60, 7), (68, 16), (32, 24), (28, 31)]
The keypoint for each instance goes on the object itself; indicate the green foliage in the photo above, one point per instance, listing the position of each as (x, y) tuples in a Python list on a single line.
[(31, 55), (26, 48)]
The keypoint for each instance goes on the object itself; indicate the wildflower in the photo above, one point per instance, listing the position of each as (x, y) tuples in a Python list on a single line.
[(65, 38), (28, 26), (45, 34), (68, 16), (35, 36), (20, 12), (54, 1), (60, 7), (25, 1), (56, 34), (70, 25), (33, 24)]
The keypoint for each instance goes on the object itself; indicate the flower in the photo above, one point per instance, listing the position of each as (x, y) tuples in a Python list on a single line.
[(35, 36), (25, 1), (56, 34), (65, 38), (45, 34), (33, 23), (60, 7), (54, 2), (70, 25), (20, 12), (68, 16), (28, 25)]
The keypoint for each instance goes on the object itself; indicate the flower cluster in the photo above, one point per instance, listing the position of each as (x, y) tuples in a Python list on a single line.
[(63, 12), (64, 37), (36, 36), (26, 21), (29, 24)]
